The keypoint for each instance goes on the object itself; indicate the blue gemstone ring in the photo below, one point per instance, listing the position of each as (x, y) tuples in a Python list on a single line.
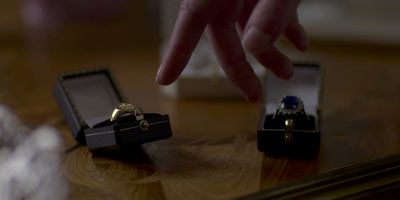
[(290, 105)]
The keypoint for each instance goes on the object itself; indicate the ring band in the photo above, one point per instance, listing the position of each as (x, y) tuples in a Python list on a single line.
[(124, 108)]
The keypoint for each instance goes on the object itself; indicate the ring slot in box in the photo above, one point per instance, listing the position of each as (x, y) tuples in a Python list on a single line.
[(290, 121), (88, 99)]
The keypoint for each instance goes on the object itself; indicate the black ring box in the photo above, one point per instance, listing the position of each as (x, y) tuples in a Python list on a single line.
[(306, 84), (87, 100)]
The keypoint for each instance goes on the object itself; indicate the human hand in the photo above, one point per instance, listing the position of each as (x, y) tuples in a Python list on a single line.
[(259, 22)]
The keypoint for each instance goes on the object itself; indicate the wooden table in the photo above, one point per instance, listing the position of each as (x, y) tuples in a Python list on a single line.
[(212, 154)]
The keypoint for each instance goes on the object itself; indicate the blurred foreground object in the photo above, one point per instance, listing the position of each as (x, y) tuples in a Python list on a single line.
[(29, 161)]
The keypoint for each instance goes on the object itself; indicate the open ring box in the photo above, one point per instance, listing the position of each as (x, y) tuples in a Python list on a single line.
[(304, 138), (88, 98)]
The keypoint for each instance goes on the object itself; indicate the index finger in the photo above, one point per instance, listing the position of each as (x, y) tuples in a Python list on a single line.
[(186, 34)]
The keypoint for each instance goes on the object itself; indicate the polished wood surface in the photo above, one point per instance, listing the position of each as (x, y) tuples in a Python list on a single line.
[(212, 154)]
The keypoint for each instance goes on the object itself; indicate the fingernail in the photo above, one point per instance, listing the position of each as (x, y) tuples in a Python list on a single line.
[(286, 71), (304, 44), (253, 93), (253, 98), (158, 76), (255, 41)]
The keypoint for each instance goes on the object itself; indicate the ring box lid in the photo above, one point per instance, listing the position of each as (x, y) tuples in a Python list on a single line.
[(84, 88), (80, 94)]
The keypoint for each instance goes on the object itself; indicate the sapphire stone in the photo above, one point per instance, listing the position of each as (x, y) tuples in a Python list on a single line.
[(290, 102)]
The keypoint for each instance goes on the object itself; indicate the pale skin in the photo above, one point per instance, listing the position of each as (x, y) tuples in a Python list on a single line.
[(232, 27)]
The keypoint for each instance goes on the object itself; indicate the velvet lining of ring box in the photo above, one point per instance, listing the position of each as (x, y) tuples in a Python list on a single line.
[(87, 100), (305, 84)]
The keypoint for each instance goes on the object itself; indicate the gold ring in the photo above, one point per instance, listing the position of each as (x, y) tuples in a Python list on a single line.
[(122, 109)]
